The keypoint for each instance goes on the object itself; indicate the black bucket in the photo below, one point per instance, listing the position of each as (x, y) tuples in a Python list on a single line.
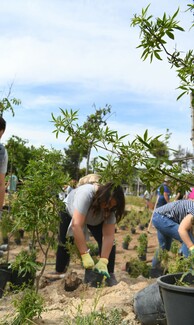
[(178, 300), (93, 279), (20, 280), (148, 306), (5, 276)]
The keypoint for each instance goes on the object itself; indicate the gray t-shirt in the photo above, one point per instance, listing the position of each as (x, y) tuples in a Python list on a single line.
[(81, 199), (3, 163)]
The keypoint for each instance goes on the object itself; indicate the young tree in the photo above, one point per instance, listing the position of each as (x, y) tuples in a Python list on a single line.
[(37, 206), (84, 137)]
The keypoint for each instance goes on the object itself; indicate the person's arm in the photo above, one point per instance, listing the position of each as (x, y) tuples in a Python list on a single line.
[(78, 221), (185, 226), (177, 196), (108, 231), (166, 196), (2, 190)]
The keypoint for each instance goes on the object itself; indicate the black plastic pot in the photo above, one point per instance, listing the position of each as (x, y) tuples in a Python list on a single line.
[(178, 300), (5, 276), (122, 227), (5, 240), (93, 279), (17, 241), (142, 257), (148, 306), (125, 245), (21, 232), (133, 231), (23, 279)]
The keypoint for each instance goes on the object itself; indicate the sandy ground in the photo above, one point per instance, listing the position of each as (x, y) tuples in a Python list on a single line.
[(61, 304)]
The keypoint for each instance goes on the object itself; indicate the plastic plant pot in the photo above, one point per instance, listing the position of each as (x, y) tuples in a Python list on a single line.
[(178, 300)]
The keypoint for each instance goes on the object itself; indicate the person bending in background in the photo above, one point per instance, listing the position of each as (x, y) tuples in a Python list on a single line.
[(97, 208), (166, 220)]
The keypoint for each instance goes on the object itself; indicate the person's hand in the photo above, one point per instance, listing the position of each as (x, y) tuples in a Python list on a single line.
[(87, 261), (101, 267), (191, 250)]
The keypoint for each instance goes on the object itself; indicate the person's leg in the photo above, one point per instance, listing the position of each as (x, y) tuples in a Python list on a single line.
[(96, 231), (167, 230), (164, 244), (62, 255)]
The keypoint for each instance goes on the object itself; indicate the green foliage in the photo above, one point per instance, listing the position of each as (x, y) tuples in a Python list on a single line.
[(159, 149), (7, 104), (154, 36), (37, 206), (112, 317), (71, 161), (90, 131), (25, 262), (94, 250), (135, 267), (179, 264), (72, 249), (142, 246), (103, 317), (164, 257), (127, 239), (122, 161), (175, 247), (143, 239), (135, 200), (6, 224), (19, 155), (27, 308)]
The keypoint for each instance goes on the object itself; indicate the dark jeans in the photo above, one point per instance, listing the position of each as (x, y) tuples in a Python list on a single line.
[(63, 256)]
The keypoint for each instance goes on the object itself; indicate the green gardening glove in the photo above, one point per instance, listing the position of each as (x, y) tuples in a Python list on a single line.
[(87, 261), (101, 267)]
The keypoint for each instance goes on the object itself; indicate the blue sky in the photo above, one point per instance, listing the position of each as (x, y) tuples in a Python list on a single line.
[(76, 53)]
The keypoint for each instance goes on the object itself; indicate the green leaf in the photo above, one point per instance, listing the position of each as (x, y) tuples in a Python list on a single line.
[(157, 55), (170, 35)]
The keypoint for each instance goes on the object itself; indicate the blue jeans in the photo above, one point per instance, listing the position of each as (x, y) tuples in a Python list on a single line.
[(167, 230)]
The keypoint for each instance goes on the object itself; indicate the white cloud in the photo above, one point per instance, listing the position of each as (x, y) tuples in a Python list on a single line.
[(91, 44)]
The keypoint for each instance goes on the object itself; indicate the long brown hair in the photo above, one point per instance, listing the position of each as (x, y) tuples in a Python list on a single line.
[(105, 193)]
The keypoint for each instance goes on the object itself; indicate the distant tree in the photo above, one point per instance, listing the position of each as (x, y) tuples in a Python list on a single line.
[(71, 162), (183, 157), (19, 155), (159, 149)]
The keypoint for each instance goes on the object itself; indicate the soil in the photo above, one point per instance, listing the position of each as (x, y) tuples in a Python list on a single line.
[(61, 303)]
